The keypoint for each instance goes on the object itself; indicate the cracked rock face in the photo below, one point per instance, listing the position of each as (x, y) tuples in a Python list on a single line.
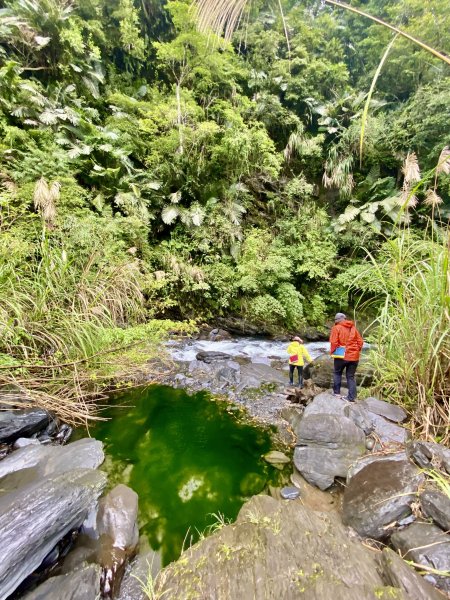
[(380, 495), (326, 447), (36, 516), (426, 545), (280, 550)]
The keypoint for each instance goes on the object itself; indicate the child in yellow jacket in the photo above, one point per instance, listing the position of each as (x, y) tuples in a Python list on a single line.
[(297, 355)]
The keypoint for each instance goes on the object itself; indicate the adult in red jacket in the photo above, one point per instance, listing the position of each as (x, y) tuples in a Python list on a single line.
[(345, 338)]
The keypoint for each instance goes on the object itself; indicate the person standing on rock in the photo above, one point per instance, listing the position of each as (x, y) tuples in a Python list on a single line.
[(297, 355), (345, 347)]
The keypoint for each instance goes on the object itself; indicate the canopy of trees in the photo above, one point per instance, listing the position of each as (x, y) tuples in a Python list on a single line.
[(206, 178)]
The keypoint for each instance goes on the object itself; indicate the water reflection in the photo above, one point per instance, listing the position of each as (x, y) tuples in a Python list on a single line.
[(187, 457)]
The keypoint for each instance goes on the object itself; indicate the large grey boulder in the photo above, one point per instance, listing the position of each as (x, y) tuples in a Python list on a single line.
[(360, 416), (83, 584), (389, 434), (436, 506), (254, 375), (36, 516), (380, 495), (86, 453), (398, 574), (326, 447), (326, 403), (277, 550), (119, 535), (362, 462), (320, 370), (22, 423), (427, 545), (429, 455), (392, 412)]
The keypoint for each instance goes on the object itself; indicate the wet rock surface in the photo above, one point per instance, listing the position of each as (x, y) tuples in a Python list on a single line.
[(83, 584), (22, 423), (380, 495), (436, 505), (52, 460), (119, 535), (326, 447), (35, 517), (426, 545)]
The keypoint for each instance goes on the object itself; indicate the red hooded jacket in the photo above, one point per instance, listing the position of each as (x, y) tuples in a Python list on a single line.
[(345, 334)]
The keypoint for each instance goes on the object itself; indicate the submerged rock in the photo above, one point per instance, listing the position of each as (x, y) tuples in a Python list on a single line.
[(436, 506), (326, 447), (36, 516), (392, 412), (22, 423), (426, 545), (277, 550), (379, 496), (83, 584)]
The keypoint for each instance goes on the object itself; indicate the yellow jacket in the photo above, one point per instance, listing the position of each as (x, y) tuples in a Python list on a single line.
[(301, 351)]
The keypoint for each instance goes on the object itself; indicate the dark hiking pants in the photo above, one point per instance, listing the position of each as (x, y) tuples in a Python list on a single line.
[(350, 369), (291, 374)]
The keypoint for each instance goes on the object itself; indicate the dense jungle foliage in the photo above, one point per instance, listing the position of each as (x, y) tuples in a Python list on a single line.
[(148, 170)]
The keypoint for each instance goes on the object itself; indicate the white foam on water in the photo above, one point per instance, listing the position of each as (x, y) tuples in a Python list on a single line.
[(257, 350)]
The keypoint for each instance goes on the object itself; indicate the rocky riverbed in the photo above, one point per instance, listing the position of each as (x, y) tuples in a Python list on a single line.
[(363, 494)]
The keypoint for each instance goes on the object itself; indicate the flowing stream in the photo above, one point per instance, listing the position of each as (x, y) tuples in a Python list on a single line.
[(257, 350), (188, 457)]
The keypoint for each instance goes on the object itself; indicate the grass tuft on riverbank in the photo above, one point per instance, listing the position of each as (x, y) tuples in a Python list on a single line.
[(411, 353)]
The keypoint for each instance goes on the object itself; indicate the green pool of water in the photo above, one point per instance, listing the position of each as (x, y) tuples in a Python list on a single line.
[(188, 458)]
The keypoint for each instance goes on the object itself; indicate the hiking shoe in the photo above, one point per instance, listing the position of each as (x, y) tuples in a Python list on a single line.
[(347, 398)]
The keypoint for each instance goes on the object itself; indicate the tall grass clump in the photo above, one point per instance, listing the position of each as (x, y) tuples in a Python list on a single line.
[(411, 354), (54, 316)]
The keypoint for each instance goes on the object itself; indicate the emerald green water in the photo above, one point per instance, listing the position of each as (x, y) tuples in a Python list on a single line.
[(187, 457)]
